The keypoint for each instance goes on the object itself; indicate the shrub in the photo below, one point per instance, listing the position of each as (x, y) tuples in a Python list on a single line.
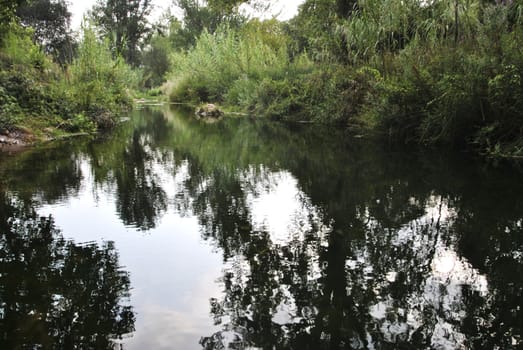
[(98, 83), (223, 61), (19, 50), (277, 99), (36, 93), (79, 122), (9, 110), (447, 72)]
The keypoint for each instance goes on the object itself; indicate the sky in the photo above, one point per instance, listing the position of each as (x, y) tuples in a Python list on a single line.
[(284, 9)]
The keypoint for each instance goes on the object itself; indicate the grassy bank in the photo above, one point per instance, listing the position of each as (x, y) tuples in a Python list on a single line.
[(444, 73), (40, 99)]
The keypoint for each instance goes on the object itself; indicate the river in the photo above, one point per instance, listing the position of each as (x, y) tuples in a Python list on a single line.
[(175, 233)]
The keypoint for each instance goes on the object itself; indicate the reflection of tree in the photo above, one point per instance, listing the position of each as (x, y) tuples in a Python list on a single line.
[(228, 215), (140, 198), (126, 163), (48, 174), (368, 269), (495, 248), (55, 293), (373, 280)]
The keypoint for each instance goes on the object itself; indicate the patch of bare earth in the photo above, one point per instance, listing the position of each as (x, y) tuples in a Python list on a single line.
[(14, 139)]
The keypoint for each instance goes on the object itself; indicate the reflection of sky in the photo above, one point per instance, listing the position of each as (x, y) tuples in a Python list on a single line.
[(279, 207), (173, 272), (442, 289)]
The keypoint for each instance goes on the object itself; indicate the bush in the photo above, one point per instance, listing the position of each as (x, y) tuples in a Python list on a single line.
[(19, 50), (79, 122), (223, 61), (278, 99), (250, 70), (97, 83), (441, 73), (9, 110), (26, 77), (36, 93)]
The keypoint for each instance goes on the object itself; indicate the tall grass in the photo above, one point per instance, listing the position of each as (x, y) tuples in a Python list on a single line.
[(226, 65), (423, 72), (250, 69), (452, 71)]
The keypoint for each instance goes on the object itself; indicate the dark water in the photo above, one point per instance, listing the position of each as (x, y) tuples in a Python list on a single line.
[(176, 234)]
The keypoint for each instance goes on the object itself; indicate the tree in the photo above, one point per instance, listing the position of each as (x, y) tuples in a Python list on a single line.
[(8, 14), (196, 17), (208, 15), (314, 29), (124, 24), (227, 10), (156, 61), (51, 21)]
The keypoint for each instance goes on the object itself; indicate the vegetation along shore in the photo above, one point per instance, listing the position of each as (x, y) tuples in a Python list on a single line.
[(433, 73)]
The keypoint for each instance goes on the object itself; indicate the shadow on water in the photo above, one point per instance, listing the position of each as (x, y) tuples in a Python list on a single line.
[(378, 249)]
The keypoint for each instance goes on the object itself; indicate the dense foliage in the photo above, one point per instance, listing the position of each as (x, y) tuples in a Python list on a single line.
[(443, 72), (46, 99), (50, 20), (124, 24), (8, 14), (50, 83), (431, 73)]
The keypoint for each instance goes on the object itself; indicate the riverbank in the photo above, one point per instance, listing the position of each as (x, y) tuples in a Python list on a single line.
[(408, 73), (15, 138), (41, 100), (14, 142), (20, 139)]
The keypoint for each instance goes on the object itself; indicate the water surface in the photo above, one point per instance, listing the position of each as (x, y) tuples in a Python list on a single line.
[(173, 233)]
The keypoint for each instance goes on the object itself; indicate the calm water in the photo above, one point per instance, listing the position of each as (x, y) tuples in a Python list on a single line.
[(175, 234)]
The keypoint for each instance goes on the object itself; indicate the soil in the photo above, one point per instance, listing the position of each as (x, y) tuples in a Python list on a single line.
[(15, 138)]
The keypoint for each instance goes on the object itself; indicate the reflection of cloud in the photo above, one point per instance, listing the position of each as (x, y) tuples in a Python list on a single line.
[(441, 293), (286, 311), (436, 211), (171, 301), (168, 329), (444, 292), (278, 206), (179, 327), (448, 268)]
